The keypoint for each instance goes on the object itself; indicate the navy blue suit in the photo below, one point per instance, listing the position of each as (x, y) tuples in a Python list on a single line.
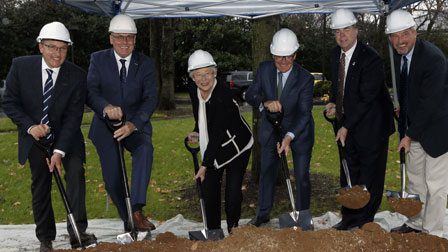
[(23, 103), (137, 99), (368, 117), (297, 104)]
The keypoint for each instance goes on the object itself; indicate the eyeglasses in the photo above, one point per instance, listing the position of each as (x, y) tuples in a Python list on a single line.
[(344, 30), (123, 38), (287, 58), (53, 48), (206, 76)]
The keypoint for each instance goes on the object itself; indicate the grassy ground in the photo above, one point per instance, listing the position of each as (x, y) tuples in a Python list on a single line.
[(171, 174)]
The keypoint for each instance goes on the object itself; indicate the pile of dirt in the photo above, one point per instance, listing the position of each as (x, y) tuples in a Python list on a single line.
[(370, 238)]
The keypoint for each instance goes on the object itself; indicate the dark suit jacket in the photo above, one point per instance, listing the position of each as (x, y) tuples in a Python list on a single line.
[(228, 132), (368, 110), (427, 99), (296, 100), (137, 98), (23, 103)]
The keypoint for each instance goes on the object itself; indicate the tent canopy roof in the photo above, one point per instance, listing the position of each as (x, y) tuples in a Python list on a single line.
[(250, 9)]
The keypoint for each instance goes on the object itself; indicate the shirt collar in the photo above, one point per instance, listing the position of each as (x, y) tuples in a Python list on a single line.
[(118, 58), (349, 52)]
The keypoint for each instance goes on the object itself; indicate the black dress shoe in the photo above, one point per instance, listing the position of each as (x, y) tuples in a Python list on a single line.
[(342, 225), (257, 221), (403, 229), (86, 239), (45, 246)]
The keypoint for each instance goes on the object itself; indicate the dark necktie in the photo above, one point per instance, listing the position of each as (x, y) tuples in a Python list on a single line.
[(123, 71), (279, 85), (403, 98), (340, 94), (48, 91)]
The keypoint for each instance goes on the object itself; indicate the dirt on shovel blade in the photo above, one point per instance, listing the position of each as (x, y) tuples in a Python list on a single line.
[(353, 198), (405, 206), (371, 237)]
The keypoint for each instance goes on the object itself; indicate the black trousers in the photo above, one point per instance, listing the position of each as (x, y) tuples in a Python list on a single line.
[(211, 187), (41, 182), (367, 166)]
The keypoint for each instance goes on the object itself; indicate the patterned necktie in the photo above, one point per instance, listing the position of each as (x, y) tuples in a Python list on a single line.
[(279, 84), (340, 94), (48, 91), (403, 98), (123, 71)]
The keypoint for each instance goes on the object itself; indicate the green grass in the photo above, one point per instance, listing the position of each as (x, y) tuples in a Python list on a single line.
[(172, 171)]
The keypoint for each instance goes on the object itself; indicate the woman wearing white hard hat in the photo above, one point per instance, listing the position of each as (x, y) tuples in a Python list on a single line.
[(225, 141), (421, 75), (364, 114)]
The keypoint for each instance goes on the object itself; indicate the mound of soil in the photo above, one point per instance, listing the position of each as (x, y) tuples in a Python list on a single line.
[(370, 238)]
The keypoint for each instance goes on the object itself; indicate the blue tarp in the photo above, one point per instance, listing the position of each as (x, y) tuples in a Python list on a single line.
[(250, 9)]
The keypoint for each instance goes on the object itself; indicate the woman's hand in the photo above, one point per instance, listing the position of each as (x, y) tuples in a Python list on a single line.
[(201, 173), (193, 138)]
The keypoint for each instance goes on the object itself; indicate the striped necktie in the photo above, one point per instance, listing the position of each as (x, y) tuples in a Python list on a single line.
[(403, 98), (48, 92)]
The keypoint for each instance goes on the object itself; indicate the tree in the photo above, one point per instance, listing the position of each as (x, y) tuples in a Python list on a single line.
[(262, 31)]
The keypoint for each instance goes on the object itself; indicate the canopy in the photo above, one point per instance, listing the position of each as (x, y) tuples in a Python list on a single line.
[(250, 9)]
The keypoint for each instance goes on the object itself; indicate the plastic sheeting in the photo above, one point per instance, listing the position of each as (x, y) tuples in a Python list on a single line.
[(22, 237)]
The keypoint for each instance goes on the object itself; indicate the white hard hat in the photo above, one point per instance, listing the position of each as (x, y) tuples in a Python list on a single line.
[(122, 23), (399, 20), (200, 59), (284, 43), (342, 18), (56, 31)]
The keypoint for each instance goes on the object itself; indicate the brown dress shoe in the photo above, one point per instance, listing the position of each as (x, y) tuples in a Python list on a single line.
[(403, 229), (141, 223)]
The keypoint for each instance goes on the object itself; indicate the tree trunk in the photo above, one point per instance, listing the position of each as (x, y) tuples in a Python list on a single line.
[(166, 100), (262, 31), (156, 46)]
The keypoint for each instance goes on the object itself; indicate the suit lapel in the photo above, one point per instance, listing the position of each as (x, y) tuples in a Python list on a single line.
[(61, 83), (273, 82), (292, 77), (133, 67), (36, 80), (352, 64)]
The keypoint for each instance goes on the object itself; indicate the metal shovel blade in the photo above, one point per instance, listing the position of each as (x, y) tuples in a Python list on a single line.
[(402, 202), (209, 234), (126, 238), (302, 219)]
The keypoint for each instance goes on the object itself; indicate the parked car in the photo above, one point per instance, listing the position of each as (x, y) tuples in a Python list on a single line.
[(238, 82), (318, 77)]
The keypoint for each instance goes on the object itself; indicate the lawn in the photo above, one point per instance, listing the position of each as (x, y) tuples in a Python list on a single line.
[(172, 172)]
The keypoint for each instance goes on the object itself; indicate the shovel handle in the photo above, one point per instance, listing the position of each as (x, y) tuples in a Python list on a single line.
[(403, 171), (113, 125), (45, 145)]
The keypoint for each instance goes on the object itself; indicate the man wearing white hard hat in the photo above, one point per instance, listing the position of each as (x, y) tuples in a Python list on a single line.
[(45, 97), (225, 141), (281, 85), (421, 71), (121, 86), (364, 114)]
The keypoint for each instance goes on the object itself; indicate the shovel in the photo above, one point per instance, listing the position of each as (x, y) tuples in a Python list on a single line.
[(44, 145), (133, 235), (295, 218), (204, 234), (402, 202), (353, 197)]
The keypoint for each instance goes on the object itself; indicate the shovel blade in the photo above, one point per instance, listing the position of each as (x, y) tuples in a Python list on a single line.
[(126, 238), (304, 220), (203, 235)]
